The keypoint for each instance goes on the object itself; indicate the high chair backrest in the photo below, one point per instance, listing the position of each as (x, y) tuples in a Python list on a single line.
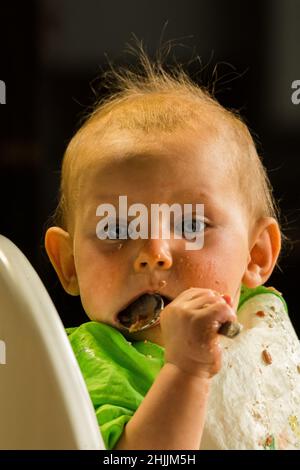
[(44, 403)]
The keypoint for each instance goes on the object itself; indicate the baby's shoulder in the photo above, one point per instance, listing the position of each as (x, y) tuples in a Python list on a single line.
[(261, 293), (263, 307)]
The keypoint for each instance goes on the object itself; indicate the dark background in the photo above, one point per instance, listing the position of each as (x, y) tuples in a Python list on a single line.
[(52, 50)]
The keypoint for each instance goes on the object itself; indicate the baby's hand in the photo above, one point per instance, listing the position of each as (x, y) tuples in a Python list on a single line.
[(190, 325)]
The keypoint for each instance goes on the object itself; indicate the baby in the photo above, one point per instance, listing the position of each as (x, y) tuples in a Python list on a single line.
[(161, 139)]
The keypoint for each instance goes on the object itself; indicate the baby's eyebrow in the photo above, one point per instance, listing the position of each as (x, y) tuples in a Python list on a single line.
[(108, 195), (177, 196), (193, 195)]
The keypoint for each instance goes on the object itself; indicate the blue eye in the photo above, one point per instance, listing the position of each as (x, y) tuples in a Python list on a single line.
[(113, 231), (191, 226), (117, 232)]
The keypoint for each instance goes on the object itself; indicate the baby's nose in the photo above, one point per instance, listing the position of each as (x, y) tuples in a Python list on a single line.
[(153, 256)]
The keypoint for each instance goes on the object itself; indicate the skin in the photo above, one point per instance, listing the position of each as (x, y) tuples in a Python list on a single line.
[(182, 167)]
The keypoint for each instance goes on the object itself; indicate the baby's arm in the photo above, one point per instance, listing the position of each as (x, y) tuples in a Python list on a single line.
[(172, 413)]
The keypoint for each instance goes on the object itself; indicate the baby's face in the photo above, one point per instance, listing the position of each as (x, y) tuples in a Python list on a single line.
[(177, 168)]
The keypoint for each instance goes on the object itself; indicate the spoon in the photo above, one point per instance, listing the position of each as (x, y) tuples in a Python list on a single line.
[(144, 312)]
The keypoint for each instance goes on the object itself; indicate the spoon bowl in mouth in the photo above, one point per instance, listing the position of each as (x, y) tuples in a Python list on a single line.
[(142, 313)]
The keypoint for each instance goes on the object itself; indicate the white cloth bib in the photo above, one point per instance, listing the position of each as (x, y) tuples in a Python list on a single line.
[(255, 398)]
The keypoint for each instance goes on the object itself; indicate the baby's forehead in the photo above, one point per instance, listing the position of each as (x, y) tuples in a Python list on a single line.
[(142, 123), (129, 142), (146, 121), (113, 137), (174, 167), (138, 151)]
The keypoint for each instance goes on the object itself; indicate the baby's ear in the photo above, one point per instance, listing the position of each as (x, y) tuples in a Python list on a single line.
[(265, 244), (59, 248)]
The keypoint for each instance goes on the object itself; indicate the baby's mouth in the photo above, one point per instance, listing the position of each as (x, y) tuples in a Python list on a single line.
[(143, 312)]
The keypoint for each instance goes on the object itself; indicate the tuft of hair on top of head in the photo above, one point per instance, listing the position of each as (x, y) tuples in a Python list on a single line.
[(142, 78), (145, 75)]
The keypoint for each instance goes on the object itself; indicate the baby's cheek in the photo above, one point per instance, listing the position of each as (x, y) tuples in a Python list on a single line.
[(207, 273), (200, 271), (93, 285)]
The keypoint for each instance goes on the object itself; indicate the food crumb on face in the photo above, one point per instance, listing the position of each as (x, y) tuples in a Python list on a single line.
[(267, 358), (298, 368)]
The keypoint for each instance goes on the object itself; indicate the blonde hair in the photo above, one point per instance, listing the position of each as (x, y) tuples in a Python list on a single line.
[(152, 99)]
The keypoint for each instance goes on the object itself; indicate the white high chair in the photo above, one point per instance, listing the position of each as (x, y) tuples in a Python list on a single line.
[(44, 403)]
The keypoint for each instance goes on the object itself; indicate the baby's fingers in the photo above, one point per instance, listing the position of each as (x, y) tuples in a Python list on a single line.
[(205, 299), (220, 312)]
